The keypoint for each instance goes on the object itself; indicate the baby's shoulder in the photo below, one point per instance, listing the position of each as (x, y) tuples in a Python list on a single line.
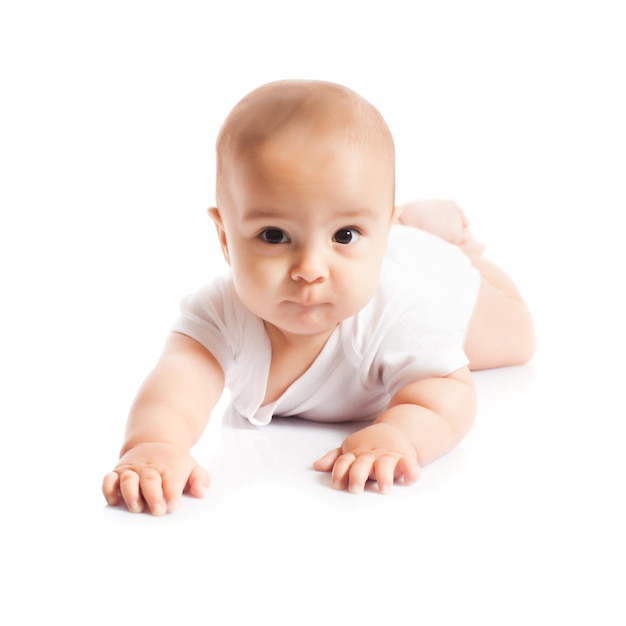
[(215, 299), (217, 305)]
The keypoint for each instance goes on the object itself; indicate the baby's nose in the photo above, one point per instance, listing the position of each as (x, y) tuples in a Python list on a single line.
[(310, 265)]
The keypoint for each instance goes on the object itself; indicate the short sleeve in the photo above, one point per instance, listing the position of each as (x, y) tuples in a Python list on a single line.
[(211, 316), (418, 347), (416, 326)]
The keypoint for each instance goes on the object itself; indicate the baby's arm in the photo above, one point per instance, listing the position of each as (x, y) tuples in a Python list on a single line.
[(424, 420), (168, 416)]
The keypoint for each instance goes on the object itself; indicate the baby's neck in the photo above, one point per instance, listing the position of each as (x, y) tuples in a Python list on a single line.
[(292, 355)]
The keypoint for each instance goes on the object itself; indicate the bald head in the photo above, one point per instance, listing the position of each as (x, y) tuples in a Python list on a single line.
[(313, 111)]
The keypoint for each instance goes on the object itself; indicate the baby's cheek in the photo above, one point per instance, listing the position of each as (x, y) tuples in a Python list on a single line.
[(361, 291)]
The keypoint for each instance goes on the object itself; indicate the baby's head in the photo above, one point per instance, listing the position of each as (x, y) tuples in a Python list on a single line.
[(305, 199), (299, 116)]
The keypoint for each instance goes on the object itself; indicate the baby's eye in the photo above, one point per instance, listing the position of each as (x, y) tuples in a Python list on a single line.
[(274, 236), (346, 236)]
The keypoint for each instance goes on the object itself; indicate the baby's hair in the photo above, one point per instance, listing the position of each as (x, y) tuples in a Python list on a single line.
[(274, 108)]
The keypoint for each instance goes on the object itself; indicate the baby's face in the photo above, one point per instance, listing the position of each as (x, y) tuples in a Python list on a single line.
[(304, 229)]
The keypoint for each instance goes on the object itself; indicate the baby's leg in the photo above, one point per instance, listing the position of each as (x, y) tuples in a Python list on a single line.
[(501, 330)]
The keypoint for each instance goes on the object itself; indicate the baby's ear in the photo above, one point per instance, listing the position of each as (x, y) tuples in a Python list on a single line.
[(214, 214)]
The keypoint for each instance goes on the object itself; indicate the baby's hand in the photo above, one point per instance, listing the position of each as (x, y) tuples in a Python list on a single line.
[(156, 475), (379, 452)]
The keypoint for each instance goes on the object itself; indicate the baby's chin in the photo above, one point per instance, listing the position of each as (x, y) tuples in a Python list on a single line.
[(309, 326), (306, 325)]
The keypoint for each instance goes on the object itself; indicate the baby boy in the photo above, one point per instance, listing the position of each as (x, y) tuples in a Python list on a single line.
[(338, 305)]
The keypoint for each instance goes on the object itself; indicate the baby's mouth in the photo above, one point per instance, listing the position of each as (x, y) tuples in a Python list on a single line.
[(306, 299)]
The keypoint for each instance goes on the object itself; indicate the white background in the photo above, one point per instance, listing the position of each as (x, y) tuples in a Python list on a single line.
[(109, 112)]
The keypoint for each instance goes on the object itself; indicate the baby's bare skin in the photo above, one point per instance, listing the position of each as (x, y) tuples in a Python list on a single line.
[(288, 171)]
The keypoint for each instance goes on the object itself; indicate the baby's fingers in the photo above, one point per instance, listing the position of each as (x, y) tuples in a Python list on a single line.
[(340, 476), (138, 488), (198, 482), (129, 489), (409, 469), (110, 488), (385, 471), (390, 468), (360, 472), (152, 489), (352, 472), (327, 462)]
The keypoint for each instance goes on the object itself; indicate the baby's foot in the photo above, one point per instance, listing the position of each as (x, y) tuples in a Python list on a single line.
[(443, 218)]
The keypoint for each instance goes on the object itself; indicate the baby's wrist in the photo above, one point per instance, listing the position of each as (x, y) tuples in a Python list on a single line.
[(138, 444)]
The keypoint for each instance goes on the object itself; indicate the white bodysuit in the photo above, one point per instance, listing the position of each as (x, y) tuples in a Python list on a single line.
[(414, 327)]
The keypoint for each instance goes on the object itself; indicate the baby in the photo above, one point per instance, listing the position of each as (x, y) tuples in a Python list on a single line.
[(338, 305)]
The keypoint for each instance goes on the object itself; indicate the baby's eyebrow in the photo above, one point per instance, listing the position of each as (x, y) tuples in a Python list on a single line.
[(365, 212), (261, 214)]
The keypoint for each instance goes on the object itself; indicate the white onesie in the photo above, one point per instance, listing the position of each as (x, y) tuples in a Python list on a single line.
[(414, 327)]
